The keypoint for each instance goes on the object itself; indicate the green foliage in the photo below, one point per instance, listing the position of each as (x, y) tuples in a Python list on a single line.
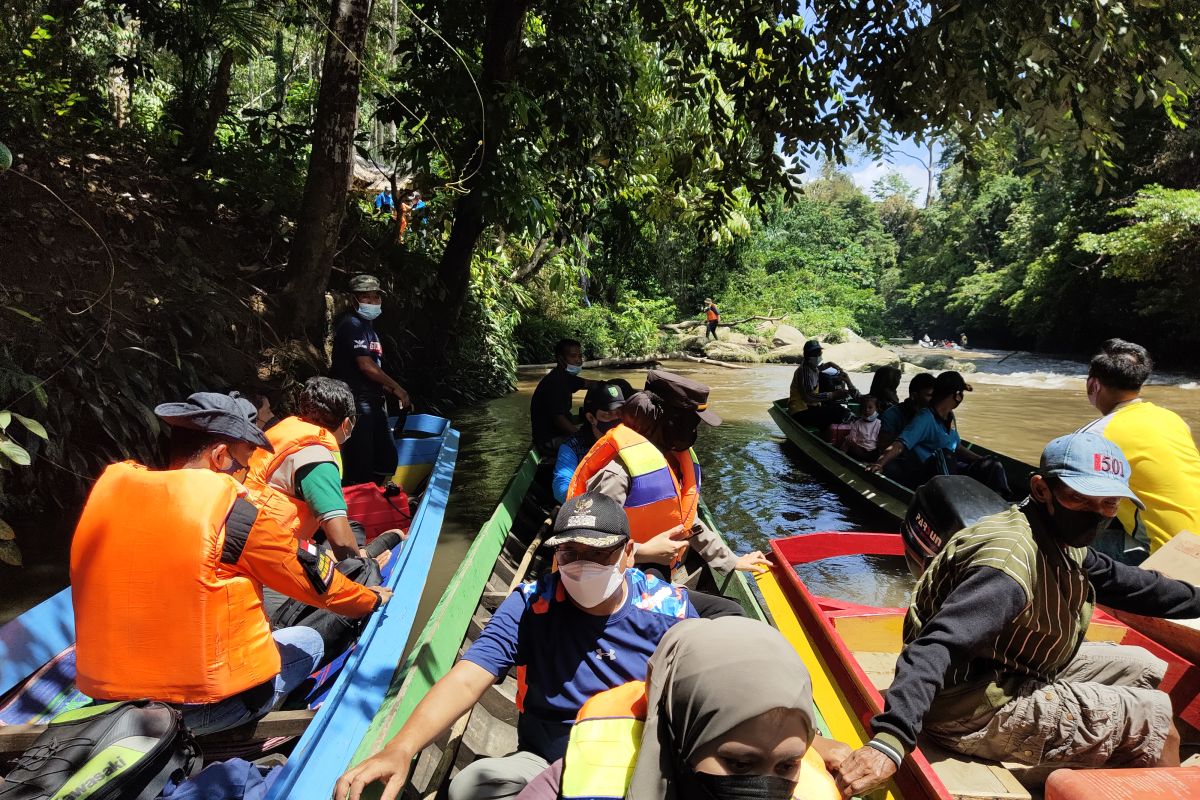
[(1166, 224)]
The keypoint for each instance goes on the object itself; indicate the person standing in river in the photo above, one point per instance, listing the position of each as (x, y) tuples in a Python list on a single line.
[(1157, 442), (369, 455)]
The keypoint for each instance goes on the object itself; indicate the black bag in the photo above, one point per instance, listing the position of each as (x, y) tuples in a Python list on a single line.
[(110, 751), (337, 632)]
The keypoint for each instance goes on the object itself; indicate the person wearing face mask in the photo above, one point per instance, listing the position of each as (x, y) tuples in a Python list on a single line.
[(589, 626), (648, 466), (817, 388), (861, 441), (550, 415), (698, 728), (369, 455), (1157, 442), (994, 663), (167, 574), (602, 412), (929, 445)]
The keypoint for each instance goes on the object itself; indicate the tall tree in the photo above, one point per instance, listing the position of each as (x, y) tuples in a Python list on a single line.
[(330, 164)]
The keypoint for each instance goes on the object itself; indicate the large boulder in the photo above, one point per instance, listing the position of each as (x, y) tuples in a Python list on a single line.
[(789, 354), (732, 336), (786, 335), (909, 368), (935, 361), (731, 351), (860, 355), (692, 344)]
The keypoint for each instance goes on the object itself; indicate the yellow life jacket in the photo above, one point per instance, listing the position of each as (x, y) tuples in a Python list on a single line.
[(607, 736), (657, 500), (288, 436), (157, 613)]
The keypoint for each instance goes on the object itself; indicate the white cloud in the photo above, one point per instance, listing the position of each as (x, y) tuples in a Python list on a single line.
[(864, 176)]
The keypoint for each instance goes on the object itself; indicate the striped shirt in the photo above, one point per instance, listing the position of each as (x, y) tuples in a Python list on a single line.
[(1046, 633)]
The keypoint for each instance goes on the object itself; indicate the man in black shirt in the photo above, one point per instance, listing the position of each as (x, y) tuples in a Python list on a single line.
[(550, 408), (369, 455)]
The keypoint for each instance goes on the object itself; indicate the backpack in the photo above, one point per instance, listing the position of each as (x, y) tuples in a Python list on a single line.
[(110, 751)]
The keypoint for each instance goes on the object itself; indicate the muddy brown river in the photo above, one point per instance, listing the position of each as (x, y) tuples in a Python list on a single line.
[(754, 480)]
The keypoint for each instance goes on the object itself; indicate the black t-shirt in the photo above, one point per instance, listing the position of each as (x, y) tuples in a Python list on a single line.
[(354, 337), (553, 396)]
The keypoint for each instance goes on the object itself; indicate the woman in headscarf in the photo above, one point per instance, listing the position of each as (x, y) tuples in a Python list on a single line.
[(728, 714), (884, 386)]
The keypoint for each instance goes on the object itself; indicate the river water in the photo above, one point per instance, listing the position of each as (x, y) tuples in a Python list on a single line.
[(754, 480)]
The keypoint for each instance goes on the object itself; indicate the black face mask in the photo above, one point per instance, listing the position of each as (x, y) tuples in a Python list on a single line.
[(702, 786), (1076, 528), (605, 427)]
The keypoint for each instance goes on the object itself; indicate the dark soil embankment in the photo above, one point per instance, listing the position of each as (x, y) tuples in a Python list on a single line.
[(150, 286)]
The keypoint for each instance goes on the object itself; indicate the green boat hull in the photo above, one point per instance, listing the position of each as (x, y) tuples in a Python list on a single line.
[(852, 476), (468, 598)]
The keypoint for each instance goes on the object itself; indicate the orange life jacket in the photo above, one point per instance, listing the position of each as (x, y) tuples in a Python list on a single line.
[(157, 615), (289, 436), (607, 737), (711, 315), (660, 498)]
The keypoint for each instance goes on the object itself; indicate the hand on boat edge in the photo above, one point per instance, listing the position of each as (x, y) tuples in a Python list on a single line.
[(864, 770), (386, 766), (753, 562)]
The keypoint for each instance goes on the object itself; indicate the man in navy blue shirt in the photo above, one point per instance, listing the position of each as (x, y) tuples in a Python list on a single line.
[(589, 627), (369, 455)]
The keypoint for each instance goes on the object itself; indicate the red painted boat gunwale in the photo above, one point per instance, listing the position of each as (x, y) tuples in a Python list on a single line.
[(817, 614)]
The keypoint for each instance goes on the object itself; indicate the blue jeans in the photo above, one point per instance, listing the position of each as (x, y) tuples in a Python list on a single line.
[(300, 650)]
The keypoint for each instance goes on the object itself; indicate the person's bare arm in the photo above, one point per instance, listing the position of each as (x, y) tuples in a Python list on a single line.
[(368, 367), (340, 537), (449, 699), (893, 450)]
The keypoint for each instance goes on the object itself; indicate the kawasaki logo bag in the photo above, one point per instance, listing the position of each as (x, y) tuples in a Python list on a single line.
[(111, 751)]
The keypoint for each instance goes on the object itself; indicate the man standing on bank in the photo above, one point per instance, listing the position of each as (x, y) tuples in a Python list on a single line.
[(369, 455)]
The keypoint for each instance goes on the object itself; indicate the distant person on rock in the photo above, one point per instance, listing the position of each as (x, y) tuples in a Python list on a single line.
[(712, 318), (1157, 442), (808, 403), (550, 408), (894, 419), (962, 340), (369, 455), (384, 203), (926, 341), (930, 445)]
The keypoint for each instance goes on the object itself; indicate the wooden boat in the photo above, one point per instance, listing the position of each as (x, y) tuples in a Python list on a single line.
[(37, 657), (503, 554), (851, 653), (852, 476)]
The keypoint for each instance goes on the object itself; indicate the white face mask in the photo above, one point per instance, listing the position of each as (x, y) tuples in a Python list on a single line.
[(590, 584)]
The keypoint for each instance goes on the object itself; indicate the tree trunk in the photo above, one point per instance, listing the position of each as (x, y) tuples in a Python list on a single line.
[(501, 46), (218, 104), (330, 166)]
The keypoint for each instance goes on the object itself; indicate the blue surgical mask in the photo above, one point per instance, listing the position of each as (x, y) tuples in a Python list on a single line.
[(369, 311), (872, 417), (574, 369)]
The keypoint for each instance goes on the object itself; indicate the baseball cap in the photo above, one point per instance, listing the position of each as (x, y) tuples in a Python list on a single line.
[(365, 283), (592, 519), (950, 383), (812, 347), (603, 397), (215, 413), (682, 394), (1089, 464)]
